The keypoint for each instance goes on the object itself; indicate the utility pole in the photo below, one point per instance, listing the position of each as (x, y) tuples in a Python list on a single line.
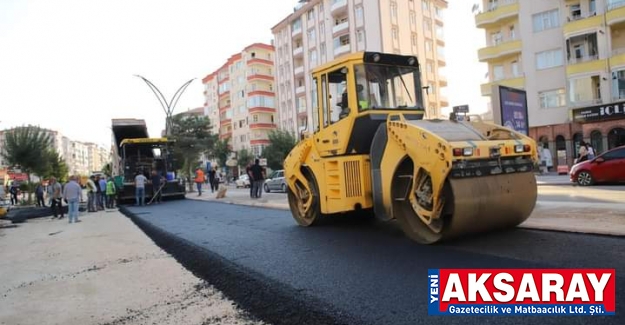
[(167, 107)]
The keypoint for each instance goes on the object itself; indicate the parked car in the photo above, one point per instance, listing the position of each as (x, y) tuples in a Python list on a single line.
[(243, 181), (607, 167), (275, 182)]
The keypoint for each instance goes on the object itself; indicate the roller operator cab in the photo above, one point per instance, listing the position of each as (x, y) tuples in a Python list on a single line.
[(372, 152)]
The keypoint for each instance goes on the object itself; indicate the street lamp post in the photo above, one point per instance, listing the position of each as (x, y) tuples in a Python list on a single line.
[(167, 107)]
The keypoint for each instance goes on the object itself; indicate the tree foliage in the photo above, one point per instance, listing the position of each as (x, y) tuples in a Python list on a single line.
[(221, 151), (244, 157), (25, 147), (280, 145), (52, 164), (193, 137)]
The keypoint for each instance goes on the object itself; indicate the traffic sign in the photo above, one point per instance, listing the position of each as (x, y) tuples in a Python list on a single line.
[(461, 109)]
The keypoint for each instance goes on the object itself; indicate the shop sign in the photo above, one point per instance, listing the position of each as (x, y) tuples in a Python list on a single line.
[(599, 113)]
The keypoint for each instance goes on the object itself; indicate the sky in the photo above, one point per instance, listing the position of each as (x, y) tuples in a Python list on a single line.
[(70, 65)]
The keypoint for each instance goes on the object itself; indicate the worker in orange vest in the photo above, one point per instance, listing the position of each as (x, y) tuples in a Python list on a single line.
[(199, 179)]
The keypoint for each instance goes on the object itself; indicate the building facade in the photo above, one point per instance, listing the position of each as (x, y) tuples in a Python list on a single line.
[(319, 31), (81, 158), (569, 56), (240, 98)]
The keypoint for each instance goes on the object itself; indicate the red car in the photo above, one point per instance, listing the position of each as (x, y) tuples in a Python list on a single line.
[(607, 167)]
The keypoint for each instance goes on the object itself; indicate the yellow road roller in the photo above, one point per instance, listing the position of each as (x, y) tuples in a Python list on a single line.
[(370, 151)]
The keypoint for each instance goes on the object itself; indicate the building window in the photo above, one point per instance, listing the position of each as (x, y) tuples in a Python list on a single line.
[(311, 14), (439, 12), (515, 69), (312, 36), (393, 9), (360, 35), (618, 84), (549, 59), (498, 72), (427, 25), (395, 33), (414, 39), (552, 98), (425, 5), (428, 46), (585, 91), (439, 32), (546, 20), (413, 18), (359, 13)]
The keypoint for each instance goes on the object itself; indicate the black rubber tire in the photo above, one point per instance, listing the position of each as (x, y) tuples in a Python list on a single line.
[(283, 188), (266, 188), (584, 178), (313, 216)]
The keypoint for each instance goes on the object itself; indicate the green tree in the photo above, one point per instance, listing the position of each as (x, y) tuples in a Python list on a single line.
[(52, 165), (221, 151), (193, 136), (25, 147), (108, 169), (280, 145), (244, 157)]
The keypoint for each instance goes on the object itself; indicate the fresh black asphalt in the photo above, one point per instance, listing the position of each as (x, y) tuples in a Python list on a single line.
[(353, 273)]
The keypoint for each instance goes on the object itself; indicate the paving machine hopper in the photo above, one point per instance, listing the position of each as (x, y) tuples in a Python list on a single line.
[(373, 153)]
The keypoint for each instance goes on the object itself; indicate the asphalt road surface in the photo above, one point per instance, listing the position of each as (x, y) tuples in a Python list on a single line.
[(354, 273)]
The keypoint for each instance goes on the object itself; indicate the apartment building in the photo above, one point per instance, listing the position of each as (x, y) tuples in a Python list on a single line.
[(569, 55), (240, 98), (318, 31), (80, 158)]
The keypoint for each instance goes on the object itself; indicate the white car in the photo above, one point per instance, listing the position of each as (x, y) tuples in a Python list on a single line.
[(243, 181)]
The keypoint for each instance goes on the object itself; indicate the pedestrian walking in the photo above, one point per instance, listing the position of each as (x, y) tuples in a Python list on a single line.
[(157, 180), (199, 179), (211, 180), (72, 194), (91, 194), (39, 193), (258, 175), (248, 171), (102, 188), (57, 199), (13, 191), (140, 181), (110, 193)]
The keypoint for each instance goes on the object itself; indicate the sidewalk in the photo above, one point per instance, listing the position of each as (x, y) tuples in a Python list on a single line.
[(581, 217), (553, 179), (103, 270)]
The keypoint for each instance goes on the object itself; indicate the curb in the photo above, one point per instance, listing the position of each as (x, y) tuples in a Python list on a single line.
[(270, 300)]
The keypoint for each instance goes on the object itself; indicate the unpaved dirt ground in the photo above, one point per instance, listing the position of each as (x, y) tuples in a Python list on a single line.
[(102, 270)]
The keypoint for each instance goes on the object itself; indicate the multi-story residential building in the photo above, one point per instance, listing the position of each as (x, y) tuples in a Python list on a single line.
[(319, 31), (80, 158), (569, 56), (240, 98)]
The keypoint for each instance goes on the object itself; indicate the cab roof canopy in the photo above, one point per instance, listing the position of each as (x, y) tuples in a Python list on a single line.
[(372, 57), (146, 141)]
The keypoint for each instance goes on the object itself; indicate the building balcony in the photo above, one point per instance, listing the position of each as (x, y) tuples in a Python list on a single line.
[(262, 109), (441, 61), (224, 108), (224, 94), (500, 50), (297, 52), (443, 101), (260, 61), (259, 141), (338, 6), (297, 31), (300, 90), (302, 114), (616, 12), (225, 135), (442, 81), (503, 11), (225, 122), (342, 50), (342, 27), (581, 24), (618, 57), (260, 125), (518, 82), (260, 76), (299, 70), (586, 67)]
